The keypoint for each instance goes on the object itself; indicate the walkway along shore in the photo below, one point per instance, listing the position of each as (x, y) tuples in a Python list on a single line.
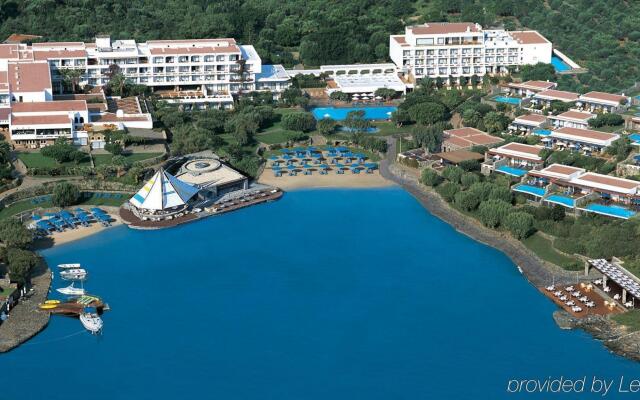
[(25, 319), (538, 272)]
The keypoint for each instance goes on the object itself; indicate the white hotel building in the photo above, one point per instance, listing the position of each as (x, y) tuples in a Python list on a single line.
[(443, 50), (203, 73)]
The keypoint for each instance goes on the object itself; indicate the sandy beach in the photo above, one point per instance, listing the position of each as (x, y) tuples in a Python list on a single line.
[(331, 180), (69, 235)]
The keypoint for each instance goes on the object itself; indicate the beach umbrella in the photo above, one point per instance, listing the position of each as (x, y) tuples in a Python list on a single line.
[(324, 166), (290, 167), (286, 151), (371, 165), (378, 98), (274, 158), (287, 157), (355, 95), (50, 214)]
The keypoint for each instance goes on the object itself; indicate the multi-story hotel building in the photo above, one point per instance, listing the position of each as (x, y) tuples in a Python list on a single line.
[(202, 72), (455, 50)]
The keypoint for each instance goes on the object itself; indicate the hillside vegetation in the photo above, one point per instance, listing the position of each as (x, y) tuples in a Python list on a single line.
[(602, 35)]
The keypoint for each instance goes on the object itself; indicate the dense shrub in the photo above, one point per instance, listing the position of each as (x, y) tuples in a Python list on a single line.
[(467, 200), (430, 177), (492, 212), (520, 224), (448, 191)]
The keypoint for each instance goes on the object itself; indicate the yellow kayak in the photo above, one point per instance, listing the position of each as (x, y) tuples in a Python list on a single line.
[(52, 302), (48, 306)]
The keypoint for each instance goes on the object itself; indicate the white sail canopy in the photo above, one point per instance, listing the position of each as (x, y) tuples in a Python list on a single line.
[(163, 191)]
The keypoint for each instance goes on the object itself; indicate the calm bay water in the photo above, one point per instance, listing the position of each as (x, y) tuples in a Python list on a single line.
[(326, 294)]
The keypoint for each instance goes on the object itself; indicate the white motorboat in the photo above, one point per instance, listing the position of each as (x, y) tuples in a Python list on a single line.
[(73, 274), (71, 291), (69, 266), (91, 322)]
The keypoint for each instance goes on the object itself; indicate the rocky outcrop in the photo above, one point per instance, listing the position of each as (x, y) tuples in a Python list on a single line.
[(614, 336)]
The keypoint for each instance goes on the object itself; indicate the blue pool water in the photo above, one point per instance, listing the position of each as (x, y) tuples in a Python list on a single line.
[(340, 113), (559, 65), (511, 171), (635, 137), (325, 294), (538, 191), (509, 100), (614, 211), (542, 132), (562, 200)]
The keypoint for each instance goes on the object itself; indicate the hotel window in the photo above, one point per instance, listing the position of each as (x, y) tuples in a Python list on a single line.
[(477, 51), (454, 52), (466, 60), (158, 60), (454, 71), (406, 53), (195, 58), (170, 70), (453, 61), (442, 71), (183, 59), (430, 52), (431, 61), (477, 60), (219, 58), (431, 71), (500, 51), (442, 52), (170, 60), (424, 42), (419, 53), (184, 69), (500, 59), (442, 61), (477, 70), (489, 51), (440, 40), (466, 70), (418, 62), (419, 71), (489, 59)]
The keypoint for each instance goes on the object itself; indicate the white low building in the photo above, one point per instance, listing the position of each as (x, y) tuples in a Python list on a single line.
[(571, 119)]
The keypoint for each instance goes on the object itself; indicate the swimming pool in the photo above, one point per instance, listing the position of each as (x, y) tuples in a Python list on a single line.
[(635, 137), (508, 100), (542, 132), (534, 190), (512, 171), (612, 211), (340, 113), (562, 200), (559, 65)]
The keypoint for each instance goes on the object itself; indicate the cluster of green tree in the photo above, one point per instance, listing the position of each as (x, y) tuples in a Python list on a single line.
[(15, 257), (357, 31), (369, 142), (6, 168), (62, 151), (226, 132), (606, 119), (483, 117), (538, 72), (488, 200), (304, 81), (299, 121), (621, 148)]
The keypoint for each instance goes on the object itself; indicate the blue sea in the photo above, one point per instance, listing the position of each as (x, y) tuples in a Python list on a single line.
[(325, 294)]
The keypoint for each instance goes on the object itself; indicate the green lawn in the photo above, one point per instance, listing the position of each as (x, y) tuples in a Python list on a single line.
[(543, 248), (102, 159), (630, 319), (273, 136), (25, 205), (37, 160)]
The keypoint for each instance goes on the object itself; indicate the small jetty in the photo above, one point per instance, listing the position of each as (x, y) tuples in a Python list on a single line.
[(74, 307)]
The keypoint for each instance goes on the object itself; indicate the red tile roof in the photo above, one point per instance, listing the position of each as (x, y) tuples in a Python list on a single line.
[(29, 77), (50, 106), (40, 120), (585, 133), (528, 37)]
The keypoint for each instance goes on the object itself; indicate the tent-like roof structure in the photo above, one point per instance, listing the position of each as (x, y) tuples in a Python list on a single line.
[(163, 191)]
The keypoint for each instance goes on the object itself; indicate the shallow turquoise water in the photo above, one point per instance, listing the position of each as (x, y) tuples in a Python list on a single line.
[(326, 294), (508, 100), (559, 64)]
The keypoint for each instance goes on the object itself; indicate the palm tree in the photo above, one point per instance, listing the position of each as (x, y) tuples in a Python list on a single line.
[(71, 76)]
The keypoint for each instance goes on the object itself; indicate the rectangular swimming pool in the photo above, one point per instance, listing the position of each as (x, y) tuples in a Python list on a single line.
[(635, 137), (512, 171), (562, 200), (542, 132), (509, 100), (559, 65), (340, 113), (534, 190), (611, 211)]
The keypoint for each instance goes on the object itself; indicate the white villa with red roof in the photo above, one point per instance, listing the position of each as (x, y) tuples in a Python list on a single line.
[(603, 102), (513, 159)]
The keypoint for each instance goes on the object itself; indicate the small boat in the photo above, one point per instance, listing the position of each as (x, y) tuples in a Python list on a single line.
[(52, 302), (69, 266), (47, 306), (71, 291), (91, 322), (73, 274)]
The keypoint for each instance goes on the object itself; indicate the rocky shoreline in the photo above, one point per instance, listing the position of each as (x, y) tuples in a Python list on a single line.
[(26, 320), (538, 272)]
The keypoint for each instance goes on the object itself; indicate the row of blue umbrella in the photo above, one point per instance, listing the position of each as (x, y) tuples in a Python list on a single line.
[(60, 220)]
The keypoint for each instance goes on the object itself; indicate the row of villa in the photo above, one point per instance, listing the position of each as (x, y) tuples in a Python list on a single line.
[(571, 187)]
